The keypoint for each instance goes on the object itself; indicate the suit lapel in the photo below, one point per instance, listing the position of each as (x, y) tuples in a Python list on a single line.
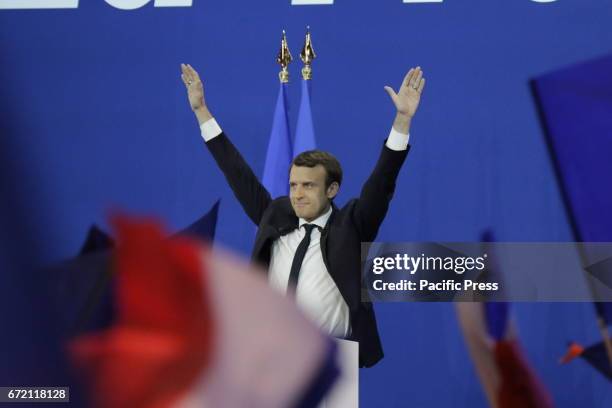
[(325, 237), (277, 221), (287, 220)]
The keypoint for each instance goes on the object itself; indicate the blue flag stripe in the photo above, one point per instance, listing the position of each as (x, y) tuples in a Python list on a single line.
[(304, 133), (278, 157)]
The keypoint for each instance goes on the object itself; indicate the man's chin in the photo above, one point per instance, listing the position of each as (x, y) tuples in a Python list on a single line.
[(300, 213)]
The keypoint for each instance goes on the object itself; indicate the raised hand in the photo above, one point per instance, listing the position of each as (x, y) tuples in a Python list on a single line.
[(407, 99), (195, 90)]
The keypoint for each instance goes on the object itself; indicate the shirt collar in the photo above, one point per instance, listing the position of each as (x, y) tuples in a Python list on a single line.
[(320, 221)]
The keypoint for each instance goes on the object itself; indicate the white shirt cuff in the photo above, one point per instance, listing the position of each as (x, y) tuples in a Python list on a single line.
[(397, 141), (210, 129)]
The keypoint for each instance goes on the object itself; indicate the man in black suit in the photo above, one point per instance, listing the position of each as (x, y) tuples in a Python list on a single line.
[(310, 247)]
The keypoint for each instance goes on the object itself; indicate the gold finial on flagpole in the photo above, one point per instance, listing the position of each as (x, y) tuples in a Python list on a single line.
[(284, 58), (307, 55)]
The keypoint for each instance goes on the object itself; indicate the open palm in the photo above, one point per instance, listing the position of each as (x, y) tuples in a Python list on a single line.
[(407, 99), (195, 89)]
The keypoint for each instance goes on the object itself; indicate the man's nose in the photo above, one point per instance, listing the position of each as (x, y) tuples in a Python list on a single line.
[(298, 192)]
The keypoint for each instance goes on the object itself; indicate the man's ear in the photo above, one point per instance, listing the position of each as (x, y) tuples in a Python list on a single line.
[(332, 190)]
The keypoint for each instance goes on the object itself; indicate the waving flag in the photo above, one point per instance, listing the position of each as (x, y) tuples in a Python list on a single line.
[(490, 335), (595, 355), (574, 105), (83, 288), (204, 227), (506, 376), (197, 328)]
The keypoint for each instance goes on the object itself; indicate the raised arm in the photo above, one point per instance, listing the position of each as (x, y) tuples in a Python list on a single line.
[(251, 194), (376, 193)]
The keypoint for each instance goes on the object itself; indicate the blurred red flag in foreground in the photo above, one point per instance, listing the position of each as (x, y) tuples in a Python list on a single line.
[(506, 375), (198, 328), (162, 339)]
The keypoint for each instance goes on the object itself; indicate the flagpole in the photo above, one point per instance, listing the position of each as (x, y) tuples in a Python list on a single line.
[(605, 334), (601, 322), (280, 149)]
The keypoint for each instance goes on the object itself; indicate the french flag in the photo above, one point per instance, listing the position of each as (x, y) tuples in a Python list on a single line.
[(506, 375), (198, 327), (491, 338)]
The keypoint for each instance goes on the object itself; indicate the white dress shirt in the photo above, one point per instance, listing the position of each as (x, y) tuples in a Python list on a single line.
[(316, 293)]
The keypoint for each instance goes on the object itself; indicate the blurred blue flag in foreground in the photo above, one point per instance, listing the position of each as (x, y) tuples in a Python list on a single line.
[(595, 355), (83, 288), (604, 311), (575, 105)]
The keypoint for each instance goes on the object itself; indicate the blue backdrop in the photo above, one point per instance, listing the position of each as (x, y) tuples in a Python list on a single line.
[(94, 116)]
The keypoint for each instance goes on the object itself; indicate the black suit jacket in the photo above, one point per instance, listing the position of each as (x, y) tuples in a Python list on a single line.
[(358, 221)]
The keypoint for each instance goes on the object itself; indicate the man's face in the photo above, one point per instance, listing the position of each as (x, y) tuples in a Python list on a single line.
[(309, 197)]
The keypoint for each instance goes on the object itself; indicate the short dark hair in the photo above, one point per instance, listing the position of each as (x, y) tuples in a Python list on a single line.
[(310, 158)]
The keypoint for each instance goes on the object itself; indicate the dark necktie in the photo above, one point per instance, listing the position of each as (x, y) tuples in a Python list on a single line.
[(298, 258)]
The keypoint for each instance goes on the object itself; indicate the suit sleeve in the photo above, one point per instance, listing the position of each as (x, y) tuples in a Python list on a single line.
[(377, 192), (251, 194)]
